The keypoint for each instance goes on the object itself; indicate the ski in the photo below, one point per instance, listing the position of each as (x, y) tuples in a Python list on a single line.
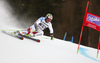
[(37, 40), (11, 34), (17, 34)]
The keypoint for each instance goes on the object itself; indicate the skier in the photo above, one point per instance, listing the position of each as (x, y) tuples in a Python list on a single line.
[(42, 23)]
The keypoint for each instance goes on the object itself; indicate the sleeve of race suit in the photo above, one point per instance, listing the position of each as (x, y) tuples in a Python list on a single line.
[(51, 31), (51, 28), (35, 25)]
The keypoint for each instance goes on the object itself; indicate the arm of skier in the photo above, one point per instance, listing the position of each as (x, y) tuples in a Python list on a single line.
[(51, 32)]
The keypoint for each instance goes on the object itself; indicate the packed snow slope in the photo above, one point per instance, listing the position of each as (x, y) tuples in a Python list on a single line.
[(13, 50)]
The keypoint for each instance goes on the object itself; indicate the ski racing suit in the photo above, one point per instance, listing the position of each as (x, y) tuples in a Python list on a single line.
[(38, 27)]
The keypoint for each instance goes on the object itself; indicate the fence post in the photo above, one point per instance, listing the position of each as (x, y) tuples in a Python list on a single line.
[(65, 36), (72, 38)]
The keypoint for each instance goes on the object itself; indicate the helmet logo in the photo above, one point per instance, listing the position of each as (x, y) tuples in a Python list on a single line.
[(49, 16)]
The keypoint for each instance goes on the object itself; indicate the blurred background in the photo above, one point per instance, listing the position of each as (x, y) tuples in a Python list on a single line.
[(68, 17)]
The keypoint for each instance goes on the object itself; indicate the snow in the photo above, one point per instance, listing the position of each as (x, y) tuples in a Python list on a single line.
[(13, 50)]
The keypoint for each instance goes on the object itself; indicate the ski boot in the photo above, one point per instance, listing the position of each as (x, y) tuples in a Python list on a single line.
[(30, 35)]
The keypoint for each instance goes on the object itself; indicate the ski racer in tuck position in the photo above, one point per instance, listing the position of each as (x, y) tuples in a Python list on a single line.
[(37, 28)]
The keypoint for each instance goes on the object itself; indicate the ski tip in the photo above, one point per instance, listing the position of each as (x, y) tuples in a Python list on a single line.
[(38, 41), (21, 38)]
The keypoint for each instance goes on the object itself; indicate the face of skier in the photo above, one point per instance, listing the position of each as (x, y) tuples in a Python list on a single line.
[(48, 20)]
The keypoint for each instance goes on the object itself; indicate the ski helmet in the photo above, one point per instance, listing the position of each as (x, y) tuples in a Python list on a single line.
[(49, 16)]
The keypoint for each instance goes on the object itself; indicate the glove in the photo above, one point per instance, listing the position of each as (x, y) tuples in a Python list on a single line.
[(52, 37)]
